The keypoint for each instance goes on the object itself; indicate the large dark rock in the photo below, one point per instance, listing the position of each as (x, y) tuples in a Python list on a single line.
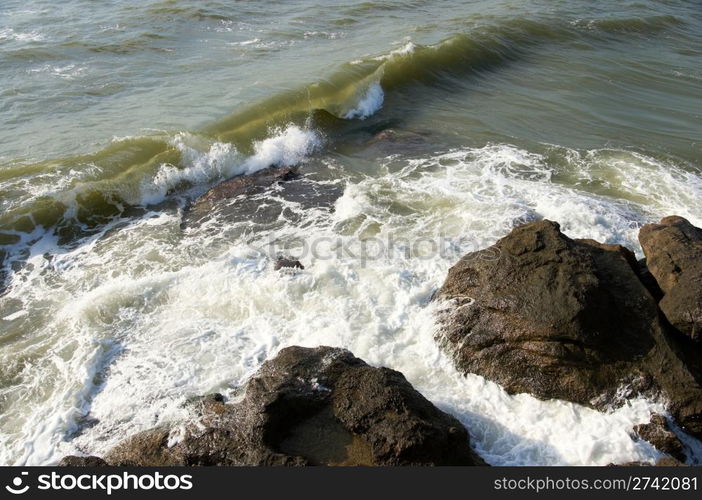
[(659, 434), (544, 314), (317, 406), (673, 251), (541, 313)]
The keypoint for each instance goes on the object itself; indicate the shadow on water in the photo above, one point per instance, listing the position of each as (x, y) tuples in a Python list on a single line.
[(481, 427)]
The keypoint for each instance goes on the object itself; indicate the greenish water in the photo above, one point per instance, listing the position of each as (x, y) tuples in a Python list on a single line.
[(116, 114)]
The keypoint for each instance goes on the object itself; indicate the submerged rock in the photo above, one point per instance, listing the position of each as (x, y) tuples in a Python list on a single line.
[(658, 433), (398, 141), (673, 252), (544, 314), (320, 406)]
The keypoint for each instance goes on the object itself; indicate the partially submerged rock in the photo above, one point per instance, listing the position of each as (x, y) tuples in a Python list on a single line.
[(276, 195), (544, 314), (318, 406), (240, 185), (390, 141), (673, 251), (659, 434)]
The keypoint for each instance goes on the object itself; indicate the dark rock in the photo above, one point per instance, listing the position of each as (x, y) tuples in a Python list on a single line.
[(282, 262), (673, 251), (548, 315), (245, 183), (241, 185), (559, 318), (74, 461), (269, 198), (317, 406), (658, 433)]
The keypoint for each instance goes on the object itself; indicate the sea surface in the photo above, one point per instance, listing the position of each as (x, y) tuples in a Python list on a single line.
[(423, 130)]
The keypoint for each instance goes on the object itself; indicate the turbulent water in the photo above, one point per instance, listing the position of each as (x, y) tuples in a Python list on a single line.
[(115, 115)]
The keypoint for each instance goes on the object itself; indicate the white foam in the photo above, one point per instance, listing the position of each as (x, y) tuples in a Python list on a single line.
[(408, 47), (11, 34), (244, 43), (16, 315), (204, 163), (369, 103), (262, 44), (67, 72), (286, 148), (156, 316), (329, 35), (218, 161)]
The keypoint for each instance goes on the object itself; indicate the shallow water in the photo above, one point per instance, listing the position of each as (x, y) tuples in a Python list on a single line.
[(116, 115)]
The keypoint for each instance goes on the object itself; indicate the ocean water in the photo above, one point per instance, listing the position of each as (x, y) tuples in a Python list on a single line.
[(116, 114)]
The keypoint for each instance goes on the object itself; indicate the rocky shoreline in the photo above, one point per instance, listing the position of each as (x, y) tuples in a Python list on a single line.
[(307, 406), (537, 312)]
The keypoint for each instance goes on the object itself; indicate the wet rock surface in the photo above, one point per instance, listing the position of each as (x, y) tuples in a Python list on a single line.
[(285, 263), (319, 406), (244, 184), (544, 314), (659, 434), (673, 250), (270, 196), (541, 313)]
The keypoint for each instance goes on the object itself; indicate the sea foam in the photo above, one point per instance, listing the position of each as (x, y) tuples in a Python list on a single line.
[(205, 163), (370, 103), (201, 311)]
